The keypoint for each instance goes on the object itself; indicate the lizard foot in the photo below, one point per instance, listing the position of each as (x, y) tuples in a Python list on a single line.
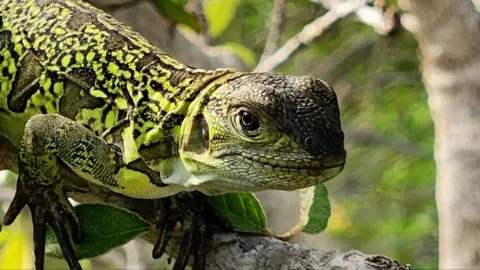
[(48, 205), (188, 209)]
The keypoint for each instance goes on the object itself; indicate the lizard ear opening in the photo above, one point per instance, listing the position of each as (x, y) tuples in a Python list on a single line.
[(198, 140)]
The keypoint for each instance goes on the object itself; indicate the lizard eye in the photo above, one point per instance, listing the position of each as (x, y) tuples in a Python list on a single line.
[(248, 122)]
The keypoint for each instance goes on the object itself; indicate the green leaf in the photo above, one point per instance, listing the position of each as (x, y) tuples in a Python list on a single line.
[(105, 227), (318, 210), (219, 14), (243, 210), (247, 55), (314, 212), (176, 13)]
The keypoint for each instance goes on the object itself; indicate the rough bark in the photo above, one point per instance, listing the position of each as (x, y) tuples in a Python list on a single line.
[(226, 250), (232, 251), (449, 35)]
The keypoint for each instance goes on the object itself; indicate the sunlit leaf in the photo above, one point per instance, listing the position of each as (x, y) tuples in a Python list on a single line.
[(15, 251), (247, 55), (105, 227), (243, 210), (176, 12), (4, 234), (219, 14)]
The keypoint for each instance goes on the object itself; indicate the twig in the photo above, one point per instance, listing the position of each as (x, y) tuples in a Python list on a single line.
[(308, 33), (383, 18), (275, 29)]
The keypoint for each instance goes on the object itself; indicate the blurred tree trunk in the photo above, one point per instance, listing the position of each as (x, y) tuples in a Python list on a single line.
[(449, 35)]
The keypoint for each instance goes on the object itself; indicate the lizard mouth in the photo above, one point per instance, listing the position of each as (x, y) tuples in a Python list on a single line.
[(308, 168)]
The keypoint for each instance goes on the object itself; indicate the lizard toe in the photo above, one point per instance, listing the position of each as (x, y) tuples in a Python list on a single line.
[(48, 205), (19, 201), (52, 209), (188, 209)]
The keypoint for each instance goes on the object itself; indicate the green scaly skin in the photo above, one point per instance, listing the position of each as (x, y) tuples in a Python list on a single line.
[(81, 91)]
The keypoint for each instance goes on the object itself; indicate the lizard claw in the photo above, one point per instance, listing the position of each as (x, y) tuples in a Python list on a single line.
[(19, 201), (48, 205), (188, 210)]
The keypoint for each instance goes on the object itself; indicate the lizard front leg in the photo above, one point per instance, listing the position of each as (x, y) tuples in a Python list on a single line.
[(52, 141), (49, 142)]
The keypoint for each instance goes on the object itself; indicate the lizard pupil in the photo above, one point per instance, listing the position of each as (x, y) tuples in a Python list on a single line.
[(248, 121)]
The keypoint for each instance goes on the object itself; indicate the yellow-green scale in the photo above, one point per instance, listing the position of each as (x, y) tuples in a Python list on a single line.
[(114, 53)]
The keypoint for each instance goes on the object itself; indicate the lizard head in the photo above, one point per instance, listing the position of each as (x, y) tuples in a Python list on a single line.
[(264, 131)]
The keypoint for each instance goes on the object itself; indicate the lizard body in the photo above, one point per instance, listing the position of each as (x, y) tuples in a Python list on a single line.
[(79, 89)]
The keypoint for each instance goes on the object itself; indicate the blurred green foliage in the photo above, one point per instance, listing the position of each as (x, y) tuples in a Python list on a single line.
[(384, 200)]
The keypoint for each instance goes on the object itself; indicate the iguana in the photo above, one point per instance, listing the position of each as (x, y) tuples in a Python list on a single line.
[(83, 93)]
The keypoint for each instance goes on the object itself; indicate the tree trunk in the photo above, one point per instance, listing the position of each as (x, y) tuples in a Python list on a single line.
[(449, 35)]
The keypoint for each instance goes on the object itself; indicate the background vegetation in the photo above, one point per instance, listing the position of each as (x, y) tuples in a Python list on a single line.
[(384, 200)]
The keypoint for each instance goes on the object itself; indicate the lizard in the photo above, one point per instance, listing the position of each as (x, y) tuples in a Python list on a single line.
[(84, 93)]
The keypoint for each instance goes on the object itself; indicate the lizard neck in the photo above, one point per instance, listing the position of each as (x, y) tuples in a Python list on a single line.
[(169, 91), (159, 120)]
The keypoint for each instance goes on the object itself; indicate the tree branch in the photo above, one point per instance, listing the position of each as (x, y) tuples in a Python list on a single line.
[(308, 33), (384, 20), (229, 251), (381, 17), (275, 29)]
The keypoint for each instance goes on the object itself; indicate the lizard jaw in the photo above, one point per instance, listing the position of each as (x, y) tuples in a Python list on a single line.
[(308, 168), (231, 172)]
